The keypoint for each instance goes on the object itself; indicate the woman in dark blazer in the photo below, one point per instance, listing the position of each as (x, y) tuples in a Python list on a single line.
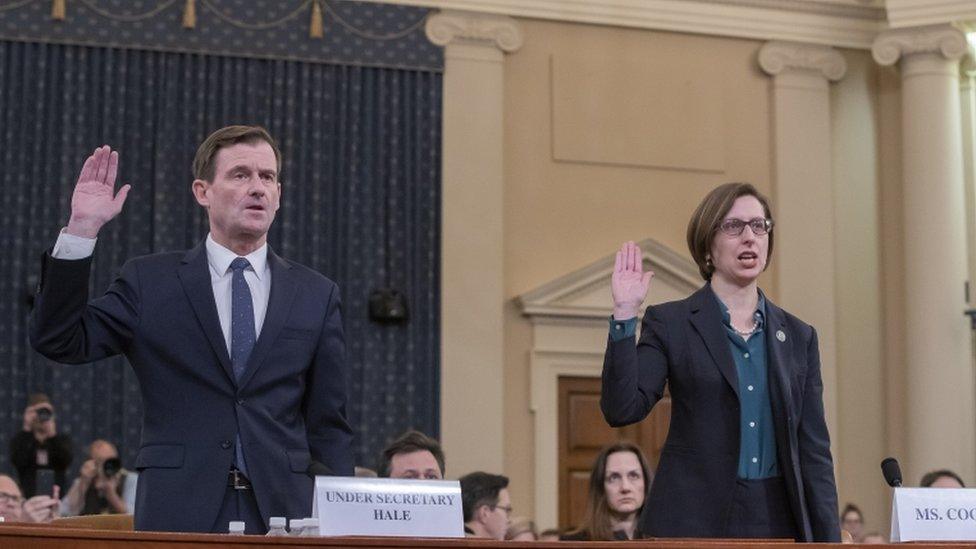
[(748, 453)]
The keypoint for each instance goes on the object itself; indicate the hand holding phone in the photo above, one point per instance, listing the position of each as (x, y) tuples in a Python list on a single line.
[(44, 482)]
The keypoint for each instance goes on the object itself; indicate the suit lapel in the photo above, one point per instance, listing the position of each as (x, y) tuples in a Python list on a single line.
[(194, 273), (779, 341), (284, 287), (706, 318)]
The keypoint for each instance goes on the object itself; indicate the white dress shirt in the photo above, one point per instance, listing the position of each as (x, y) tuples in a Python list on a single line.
[(219, 258)]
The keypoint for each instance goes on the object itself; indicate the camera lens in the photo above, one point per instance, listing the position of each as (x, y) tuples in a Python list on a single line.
[(44, 414), (111, 467)]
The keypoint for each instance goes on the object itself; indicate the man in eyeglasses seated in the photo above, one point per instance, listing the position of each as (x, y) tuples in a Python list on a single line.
[(13, 508)]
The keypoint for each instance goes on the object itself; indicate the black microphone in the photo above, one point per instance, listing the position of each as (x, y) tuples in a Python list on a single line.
[(891, 472)]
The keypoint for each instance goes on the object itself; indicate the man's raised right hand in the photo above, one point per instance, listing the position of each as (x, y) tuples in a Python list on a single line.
[(94, 201)]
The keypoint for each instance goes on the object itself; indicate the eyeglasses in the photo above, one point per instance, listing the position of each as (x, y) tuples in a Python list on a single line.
[(10, 498), (506, 508), (734, 227)]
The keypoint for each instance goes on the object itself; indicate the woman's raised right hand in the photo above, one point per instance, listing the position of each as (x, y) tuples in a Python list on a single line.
[(629, 283)]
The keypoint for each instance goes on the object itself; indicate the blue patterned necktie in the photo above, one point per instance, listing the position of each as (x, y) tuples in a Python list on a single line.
[(242, 335)]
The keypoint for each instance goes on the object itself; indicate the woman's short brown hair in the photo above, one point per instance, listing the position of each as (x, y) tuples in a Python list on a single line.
[(709, 215)]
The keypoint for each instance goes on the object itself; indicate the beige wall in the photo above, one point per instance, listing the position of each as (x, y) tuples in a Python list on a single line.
[(595, 155), (860, 439)]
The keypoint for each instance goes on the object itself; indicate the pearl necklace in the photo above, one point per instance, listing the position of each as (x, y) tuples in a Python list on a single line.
[(755, 326)]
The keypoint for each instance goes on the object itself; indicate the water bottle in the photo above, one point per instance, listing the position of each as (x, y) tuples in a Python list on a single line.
[(277, 527), (311, 528), (236, 527), (296, 526)]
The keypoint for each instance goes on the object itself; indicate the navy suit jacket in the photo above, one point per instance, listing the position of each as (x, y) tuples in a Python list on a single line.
[(684, 344), (289, 407)]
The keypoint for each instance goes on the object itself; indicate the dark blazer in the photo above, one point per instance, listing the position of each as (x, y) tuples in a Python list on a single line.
[(289, 407), (23, 456), (684, 343)]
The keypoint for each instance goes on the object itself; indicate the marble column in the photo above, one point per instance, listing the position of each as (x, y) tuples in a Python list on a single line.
[(803, 192), (967, 92), (939, 427), (472, 275)]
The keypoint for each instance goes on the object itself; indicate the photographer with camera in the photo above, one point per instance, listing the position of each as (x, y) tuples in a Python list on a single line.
[(38, 452), (102, 486)]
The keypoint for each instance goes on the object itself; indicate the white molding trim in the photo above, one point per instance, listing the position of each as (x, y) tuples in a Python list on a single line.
[(842, 23), (449, 26), (777, 56), (946, 40), (914, 13), (553, 300), (547, 368)]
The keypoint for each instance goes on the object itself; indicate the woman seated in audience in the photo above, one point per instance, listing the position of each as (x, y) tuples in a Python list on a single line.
[(618, 485), (852, 521)]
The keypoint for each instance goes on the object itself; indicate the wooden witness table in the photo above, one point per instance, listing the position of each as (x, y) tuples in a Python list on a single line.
[(25, 536)]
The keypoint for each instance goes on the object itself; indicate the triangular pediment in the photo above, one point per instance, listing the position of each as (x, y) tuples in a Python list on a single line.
[(585, 293)]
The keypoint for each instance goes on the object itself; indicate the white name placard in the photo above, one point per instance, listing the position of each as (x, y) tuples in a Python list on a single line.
[(933, 514), (349, 506)]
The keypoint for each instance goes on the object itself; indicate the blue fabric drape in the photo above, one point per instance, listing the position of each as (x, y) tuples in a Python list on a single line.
[(353, 32), (360, 203)]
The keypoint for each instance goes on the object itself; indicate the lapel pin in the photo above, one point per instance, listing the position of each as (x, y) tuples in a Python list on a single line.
[(780, 335)]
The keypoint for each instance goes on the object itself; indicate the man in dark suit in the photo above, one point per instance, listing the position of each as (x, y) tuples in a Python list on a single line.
[(240, 353)]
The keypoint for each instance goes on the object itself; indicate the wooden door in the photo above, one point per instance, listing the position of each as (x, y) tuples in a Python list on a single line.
[(583, 432)]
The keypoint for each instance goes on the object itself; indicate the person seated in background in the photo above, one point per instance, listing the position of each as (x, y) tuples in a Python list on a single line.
[(942, 478), (618, 486), (873, 538), (852, 520), (102, 486), (13, 508), (413, 455), (521, 529), (552, 534), (486, 504), (363, 472), (39, 446)]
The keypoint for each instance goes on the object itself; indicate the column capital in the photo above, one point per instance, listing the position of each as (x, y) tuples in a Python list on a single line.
[(968, 66), (451, 26), (777, 56), (945, 40)]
